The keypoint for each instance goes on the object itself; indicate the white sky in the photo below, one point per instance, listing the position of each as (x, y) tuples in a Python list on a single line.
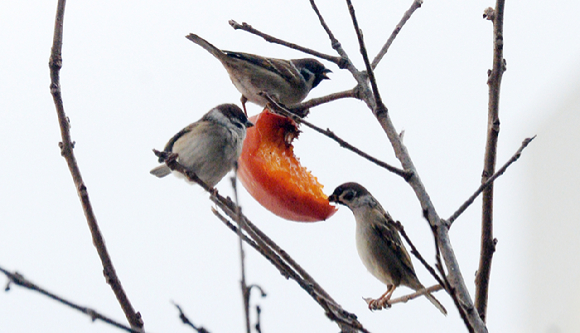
[(130, 80)]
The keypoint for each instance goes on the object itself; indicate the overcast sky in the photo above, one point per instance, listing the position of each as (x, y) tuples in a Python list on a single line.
[(130, 80)]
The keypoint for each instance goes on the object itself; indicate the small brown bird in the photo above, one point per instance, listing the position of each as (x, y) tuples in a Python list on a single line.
[(379, 244), (286, 81), (210, 146)]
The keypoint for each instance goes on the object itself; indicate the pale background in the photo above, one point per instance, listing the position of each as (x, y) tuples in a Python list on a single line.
[(131, 80)]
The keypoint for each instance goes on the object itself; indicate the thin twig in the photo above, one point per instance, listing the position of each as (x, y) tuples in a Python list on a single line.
[(186, 321), (170, 160), (258, 325), (360, 77), (246, 27), (363, 51), (20, 280), (303, 108), (55, 64), (415, 251), (416, 5), (334, 42), (266, 252), (243, 285), (406, 298), (451, 290), (489, 181), (235, 229), (262, 292), (405, 174), (279, 109), (487, 240), (259, 245)]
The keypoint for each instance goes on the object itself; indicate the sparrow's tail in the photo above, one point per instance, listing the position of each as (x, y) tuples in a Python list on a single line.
[(436, 303), (207, 46), (161, 171)]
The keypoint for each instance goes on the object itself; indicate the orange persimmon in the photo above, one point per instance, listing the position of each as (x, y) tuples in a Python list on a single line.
[(272, 174)]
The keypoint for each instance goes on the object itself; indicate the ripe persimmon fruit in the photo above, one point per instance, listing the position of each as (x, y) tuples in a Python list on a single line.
[(273, 175)]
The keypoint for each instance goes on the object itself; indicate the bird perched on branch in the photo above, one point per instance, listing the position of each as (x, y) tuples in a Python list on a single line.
[(379, 244), (286, 81), (210, 146)]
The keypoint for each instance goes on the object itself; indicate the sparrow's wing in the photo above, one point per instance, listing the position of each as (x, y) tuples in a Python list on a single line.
[(203, 128), (385, 229), (171, 142), (163, 170), (284, 68)]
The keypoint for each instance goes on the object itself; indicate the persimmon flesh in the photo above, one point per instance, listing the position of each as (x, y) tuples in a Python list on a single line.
[(273, 175)]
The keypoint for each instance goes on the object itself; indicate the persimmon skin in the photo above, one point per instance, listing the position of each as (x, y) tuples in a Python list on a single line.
[(272, 174)]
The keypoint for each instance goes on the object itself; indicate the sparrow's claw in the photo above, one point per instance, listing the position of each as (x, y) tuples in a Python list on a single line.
[(381, 302), (377, 304), (372, 303), (171, 157)]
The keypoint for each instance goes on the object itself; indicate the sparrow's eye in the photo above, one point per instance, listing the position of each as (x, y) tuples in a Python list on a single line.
[(348, 195), (306, 74), (238, 125)]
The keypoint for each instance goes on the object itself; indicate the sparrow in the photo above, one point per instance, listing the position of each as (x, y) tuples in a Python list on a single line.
[(286, 81), (379, 244), (210, 146)]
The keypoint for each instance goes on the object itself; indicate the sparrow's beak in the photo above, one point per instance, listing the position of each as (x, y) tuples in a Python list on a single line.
[(333, 198), (249, 124), (324, 77)]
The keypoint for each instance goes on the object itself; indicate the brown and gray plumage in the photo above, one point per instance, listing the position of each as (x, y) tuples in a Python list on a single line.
[(286, 81), (210, 146), (379, 244)]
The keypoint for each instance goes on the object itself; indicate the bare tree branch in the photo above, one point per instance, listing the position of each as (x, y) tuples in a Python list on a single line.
[(186, 321), (258, 325), (246, 27), (20, 280), (55, 64), (302, 109), (489, 181), (243, 285), (494, 83), (406, 298), (415, 251), (416, 5), (361, 78), (363, 51)]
